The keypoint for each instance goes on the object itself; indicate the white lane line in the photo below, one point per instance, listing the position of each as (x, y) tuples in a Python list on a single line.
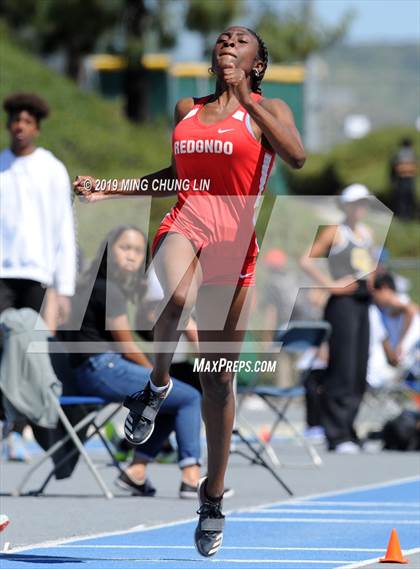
[(252, 562), (142, 528), (246, 561), (230, 547), (324, 521), (367, 562), (350, 512), (320, 503), (350, 490)]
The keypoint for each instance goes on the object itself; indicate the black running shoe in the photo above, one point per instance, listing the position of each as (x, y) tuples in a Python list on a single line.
[(187, 491), (209, 531), (145, 489), (144, 406)]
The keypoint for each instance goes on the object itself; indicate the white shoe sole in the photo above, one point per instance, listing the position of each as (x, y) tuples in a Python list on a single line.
[(129, 436)]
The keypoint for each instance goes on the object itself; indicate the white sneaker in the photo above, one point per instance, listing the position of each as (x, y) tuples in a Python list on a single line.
[(348, 447), (14, 449), (372, 447)]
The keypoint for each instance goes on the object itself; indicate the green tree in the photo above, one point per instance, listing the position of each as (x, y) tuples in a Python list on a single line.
[(70, 26), (76, 27), (164, 24), (210, 16), (296, 32)]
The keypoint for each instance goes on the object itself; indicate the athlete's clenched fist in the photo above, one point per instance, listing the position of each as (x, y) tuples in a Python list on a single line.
[(84, 186), (235, 77)]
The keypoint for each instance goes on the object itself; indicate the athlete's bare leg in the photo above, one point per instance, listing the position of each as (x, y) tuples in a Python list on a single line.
[(218, 404), (179, 273)]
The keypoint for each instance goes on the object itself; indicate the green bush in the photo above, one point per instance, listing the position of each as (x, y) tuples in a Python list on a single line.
[(89, 134), (403, 239), (365, 161)]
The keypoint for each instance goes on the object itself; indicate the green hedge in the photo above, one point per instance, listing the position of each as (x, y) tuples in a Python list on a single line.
[(365, 161), (89, 134)]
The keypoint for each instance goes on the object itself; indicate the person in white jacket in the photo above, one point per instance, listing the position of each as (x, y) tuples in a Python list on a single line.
[(37, 240)]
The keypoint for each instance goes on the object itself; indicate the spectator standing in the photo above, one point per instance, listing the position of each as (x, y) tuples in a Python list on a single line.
[(37, 241), (348, 251), (36, 220), (403, 180)]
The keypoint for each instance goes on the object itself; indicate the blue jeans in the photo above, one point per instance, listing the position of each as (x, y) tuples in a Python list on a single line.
[(113, 377)]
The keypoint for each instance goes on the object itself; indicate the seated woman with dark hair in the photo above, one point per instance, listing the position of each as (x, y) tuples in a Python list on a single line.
[(121, 367)]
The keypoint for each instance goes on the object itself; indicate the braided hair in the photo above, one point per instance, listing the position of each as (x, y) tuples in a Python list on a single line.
[(257, 77)]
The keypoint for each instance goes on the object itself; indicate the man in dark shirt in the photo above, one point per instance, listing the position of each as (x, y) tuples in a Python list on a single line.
[(403, 179)]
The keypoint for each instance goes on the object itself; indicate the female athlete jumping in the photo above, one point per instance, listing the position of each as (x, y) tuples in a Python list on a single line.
[(205, 249)]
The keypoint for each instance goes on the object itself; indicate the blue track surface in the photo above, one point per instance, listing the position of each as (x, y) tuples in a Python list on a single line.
[(324, 532)]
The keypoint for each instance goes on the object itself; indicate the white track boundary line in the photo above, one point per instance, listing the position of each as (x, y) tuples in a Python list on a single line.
[(86, 537), (229, 548), (376, 560), (358, 504), (324, 521), (272, 561), (305, 511), (350, 490), (254, 562), (143, 528)]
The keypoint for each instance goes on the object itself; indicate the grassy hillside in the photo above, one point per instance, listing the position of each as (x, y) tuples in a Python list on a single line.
[(86, 132), (381, 79)]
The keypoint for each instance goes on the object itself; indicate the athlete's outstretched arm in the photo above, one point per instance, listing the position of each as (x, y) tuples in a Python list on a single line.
[(85, 186)]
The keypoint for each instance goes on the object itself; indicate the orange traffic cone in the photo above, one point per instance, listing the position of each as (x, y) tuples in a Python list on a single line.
[(4, 522), (393, 553), (265, 434)]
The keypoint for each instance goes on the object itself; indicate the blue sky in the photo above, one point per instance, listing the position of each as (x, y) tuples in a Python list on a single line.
[(389, 20)]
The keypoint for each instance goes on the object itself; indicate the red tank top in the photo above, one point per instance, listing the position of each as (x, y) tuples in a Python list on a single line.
[(226, 156)]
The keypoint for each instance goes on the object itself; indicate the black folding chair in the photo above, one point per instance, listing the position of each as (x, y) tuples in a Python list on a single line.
[(98, 413), (297, 338)]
